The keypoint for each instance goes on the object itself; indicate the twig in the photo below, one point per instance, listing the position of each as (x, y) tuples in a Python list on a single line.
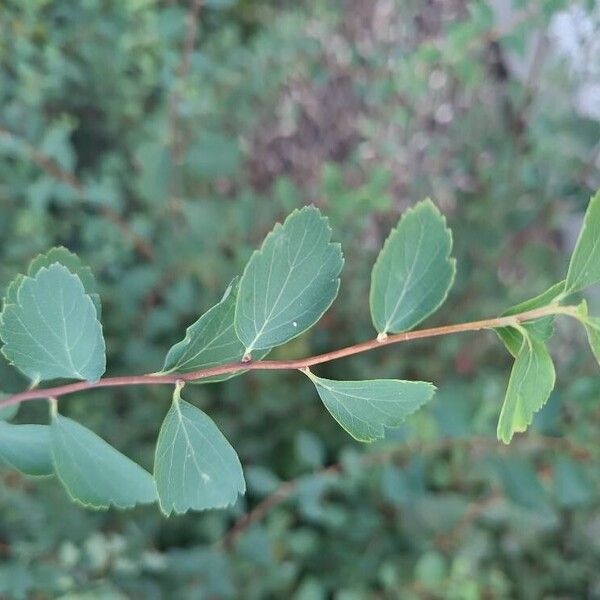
[(49, 166), (287, 489), (182, 73), (300, 364), (260, 511)]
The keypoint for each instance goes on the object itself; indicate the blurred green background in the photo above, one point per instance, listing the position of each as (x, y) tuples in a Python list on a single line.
[(161, 140)]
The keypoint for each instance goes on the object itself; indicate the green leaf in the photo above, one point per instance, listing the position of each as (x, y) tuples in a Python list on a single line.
[(531, 381), (95, 474), (413, 272), (8, 412), (53, 331), (10, 297), (195, 466), (365, 408), (571, 486), (521, 483), (592, 328), (541, 329), (59, 254), (584, 268), (289, 283), (26, 448), (209, 342)]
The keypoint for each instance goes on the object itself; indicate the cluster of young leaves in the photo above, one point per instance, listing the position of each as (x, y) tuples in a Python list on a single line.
[(50, 327), (533, 376)]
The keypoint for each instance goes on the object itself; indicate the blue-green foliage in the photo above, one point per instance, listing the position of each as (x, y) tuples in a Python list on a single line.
[(426, 108)]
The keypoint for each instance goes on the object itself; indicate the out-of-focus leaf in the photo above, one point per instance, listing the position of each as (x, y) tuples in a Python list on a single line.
[(212, 156), (571, 486), (521, 484)]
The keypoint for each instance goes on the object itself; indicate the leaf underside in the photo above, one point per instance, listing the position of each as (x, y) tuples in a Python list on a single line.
[(209, 342), (531, 382), (540, 329), (413, 272)]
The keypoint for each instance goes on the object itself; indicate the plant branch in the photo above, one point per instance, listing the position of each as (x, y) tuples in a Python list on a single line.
[(181, 76), (272, 365)]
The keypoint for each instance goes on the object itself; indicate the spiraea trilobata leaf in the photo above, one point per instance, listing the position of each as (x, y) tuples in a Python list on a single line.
[(584, 267), (531, 382), (289, 283), (95, 474), (8, 412), (63, 256), (52, 331), (592, 328), (365, 408), (195, 467), (209, 342), (26, 448), (541, 329), (413, 272)]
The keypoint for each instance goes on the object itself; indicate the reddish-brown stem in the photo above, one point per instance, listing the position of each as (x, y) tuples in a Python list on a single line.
[(299, 364)]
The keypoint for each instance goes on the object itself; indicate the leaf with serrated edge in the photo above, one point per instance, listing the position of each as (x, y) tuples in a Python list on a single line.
[(289, 283), (95, 474), (365, 408), (63, 256), (53, 331), (195, 466), (584, 267), (209, 342), (26, 448), (592, 328), (542, 329), (531, 382), (413, 272), (10, 297)]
